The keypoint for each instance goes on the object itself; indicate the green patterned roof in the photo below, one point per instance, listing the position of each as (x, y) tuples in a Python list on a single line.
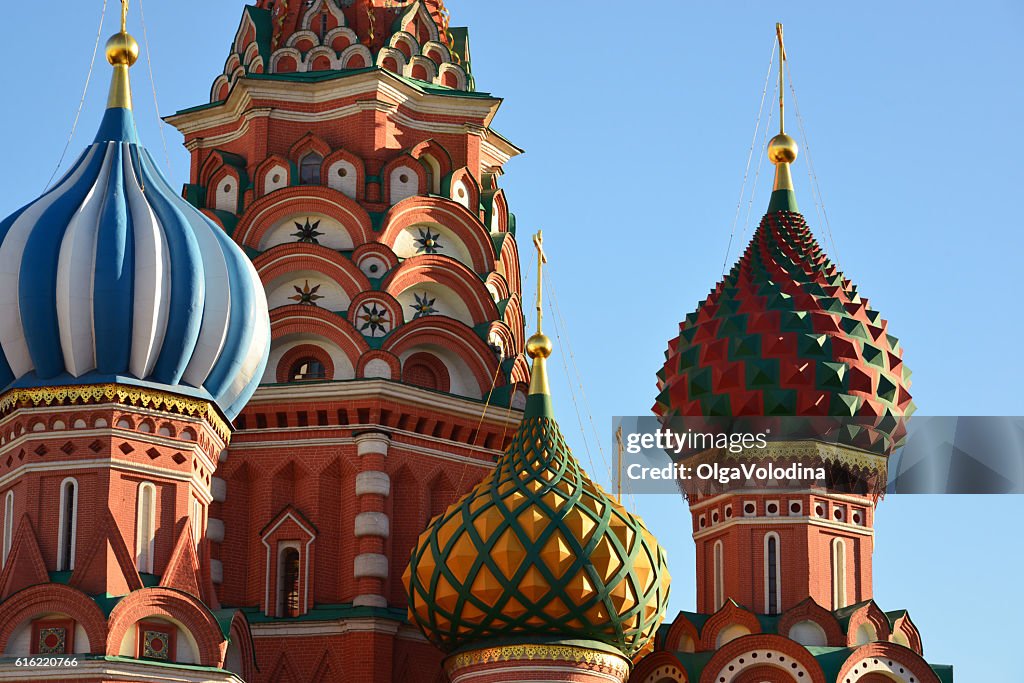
[(538, 551)]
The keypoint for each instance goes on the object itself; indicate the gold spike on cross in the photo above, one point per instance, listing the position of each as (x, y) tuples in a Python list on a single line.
[(782, 77)]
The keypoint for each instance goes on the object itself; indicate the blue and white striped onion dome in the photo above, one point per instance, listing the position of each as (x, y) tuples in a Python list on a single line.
[(112, 277)]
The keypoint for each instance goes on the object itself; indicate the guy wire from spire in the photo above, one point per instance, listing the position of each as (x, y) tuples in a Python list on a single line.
[(757, 174), (572, 392), (816, 187), (562, 328), (85, 92), (750, 155), (152, 82)]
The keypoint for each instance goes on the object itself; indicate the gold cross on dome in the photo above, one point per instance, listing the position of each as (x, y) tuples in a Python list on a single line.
[(124, 16), (542, 258)]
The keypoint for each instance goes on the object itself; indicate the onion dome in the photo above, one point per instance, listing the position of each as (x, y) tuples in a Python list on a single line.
[(537, 552), (112, 277), (786, 334)]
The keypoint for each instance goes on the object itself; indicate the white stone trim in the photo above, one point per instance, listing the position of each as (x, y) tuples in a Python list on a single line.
[(371, 565), (535, 673), (887, 666), (373, 482), (388, 88), (215, 530), (370, 601), (372, 443), (372, 524), (305, 562), (102, 669), (219, 489), (325, 628), (199, 486), (733, 670), (839, 497), (809, 521), (217, 571)]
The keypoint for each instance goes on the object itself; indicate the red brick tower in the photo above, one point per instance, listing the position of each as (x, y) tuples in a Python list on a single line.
[(785, 346), (346, 150), (133, 330)]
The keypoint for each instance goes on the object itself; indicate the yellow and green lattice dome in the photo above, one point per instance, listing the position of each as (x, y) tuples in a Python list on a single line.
[(538, 552)]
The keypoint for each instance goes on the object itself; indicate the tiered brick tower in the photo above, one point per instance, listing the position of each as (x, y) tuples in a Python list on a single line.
[(346, 150), (133, 330), (785, 343)]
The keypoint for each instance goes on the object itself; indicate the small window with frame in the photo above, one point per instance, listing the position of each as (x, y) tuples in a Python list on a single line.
[(157, 640), (53, 637)]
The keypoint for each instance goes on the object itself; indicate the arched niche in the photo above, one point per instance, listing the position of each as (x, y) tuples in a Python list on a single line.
[(344, 367), (313, 228)]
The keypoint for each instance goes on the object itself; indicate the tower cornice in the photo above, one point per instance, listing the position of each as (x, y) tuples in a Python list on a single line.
[(280, 92)]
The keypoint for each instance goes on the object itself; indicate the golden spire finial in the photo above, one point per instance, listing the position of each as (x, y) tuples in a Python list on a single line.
[(539, 346), (782, 149), (122, 51)]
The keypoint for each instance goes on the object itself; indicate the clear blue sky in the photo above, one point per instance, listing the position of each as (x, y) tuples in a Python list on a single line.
[(637, 118)]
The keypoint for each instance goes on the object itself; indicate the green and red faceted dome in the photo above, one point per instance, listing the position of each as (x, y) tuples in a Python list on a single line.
[(786, 334)]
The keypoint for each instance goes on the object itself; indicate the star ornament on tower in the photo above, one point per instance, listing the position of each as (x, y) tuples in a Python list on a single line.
[(306, 295), (374, 320), (308, 233), (428, 242), (424, 306)]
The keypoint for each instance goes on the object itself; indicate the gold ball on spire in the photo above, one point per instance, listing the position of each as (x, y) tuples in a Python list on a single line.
[(539, 346), (122, 49), (782, 149)]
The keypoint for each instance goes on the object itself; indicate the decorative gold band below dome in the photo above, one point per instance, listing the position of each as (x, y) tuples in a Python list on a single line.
[(562, 654), (120, 393), (807, 451)]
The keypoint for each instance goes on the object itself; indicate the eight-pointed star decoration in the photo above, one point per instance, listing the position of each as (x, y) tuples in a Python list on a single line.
[(307, 296), (308, 233), (374, 320), (427, 242), (423, 306)]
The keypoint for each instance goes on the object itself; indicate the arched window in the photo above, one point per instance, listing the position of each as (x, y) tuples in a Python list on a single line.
[(718, 572), (309, 169), (838, 573), (145, 528), (426, 370), (307, 369), (8, 525), (433, 169), (197, 521), (288, 582), (67, 530), (772, 578)]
